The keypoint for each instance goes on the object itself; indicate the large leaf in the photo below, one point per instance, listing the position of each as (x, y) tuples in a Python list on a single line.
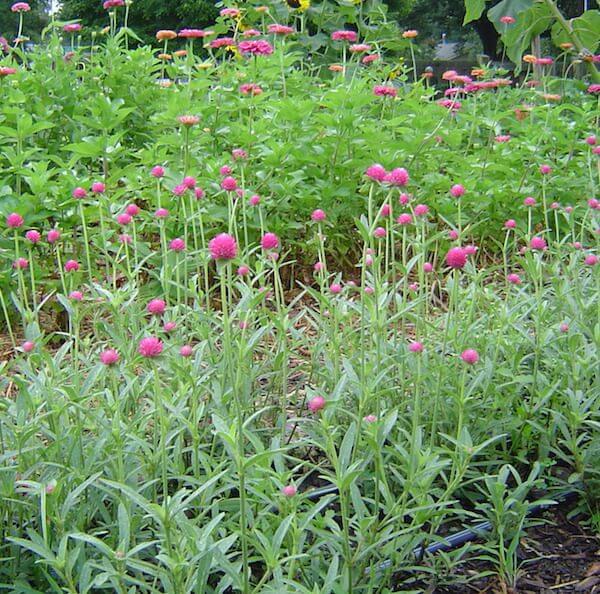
[(508, 8), (473, 10), (587, 27)]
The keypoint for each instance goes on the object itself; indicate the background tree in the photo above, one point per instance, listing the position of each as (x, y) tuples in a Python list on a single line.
[(34, 20)]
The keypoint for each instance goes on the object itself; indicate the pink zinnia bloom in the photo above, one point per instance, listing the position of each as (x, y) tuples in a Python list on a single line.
[(538, 243), (188, 120), (220, 42), (456, 257), (53, 235), (79, 193), (76, 295), (513, 279), (350, 36), (385, 91), (510, 224), (507, 20), (591, 260), (150, 347), (280, 29), (14, 220), (379, 233), (71, 266), (28, 346), (359, 48), (318, 215), (316, 404), (251, 33), (289, 490), (250, 89), (457, 190), (158, 171), (376, 172), (397, 177), (230, 12), (470, 356), (545, 61), (33, 236), (6, 70), (255, 47), (222, 247), (193, 33), (98, 188), (161, 213), (20, 264), (415, 347), (72, 28), (421, 210), (177, 245), (229, 184), (109, 357), (186, 350), (269, 241), (156, 307), (20, 7)]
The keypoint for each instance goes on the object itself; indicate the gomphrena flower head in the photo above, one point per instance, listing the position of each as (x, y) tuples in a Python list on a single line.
[(177, 245), (369, 419), (457, 190), (28, 346), (169, 326), (538, 243), (109, 357), (513, 278), (318, 215), (316, 404), (453, 234), (269, 241), (76, 296), (98, 188), (243, 270), (529, 201), (415, 347), (470, 356), (33, 236), (456, 257), (379, 233), (132, 210), (150, 347), (510, 224), (229, 184), (335, 288), (21, 264), (386, 210), (156, 307), (404, 219), (186, 350), (53, 235), (376, 172), (545, 169), (428, 267), (14, 220), (421, 210), (222, 247), (161, 213), (289, 491), (71, 266), (158, 171), (591, 260), (397, 177), (79, 193), (123, 219), (239, 154)]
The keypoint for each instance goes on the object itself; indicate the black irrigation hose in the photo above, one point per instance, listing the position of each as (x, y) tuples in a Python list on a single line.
[(452, 541)]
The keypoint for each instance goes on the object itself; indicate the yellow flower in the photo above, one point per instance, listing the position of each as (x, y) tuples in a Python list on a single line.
[(299, 5)]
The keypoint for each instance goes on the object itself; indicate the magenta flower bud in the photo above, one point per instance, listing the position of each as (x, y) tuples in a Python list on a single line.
[(404, 219), (125, 239), (555, 206), (593, 203), (421, 210), (76, 295), (222, 247), (132, 210), (568, 209), (335, 288), (186, 350), (269, 241), (577, 245), (199, 193), (79, 193), (289, 490), (21, 264), (14, 220), (380, 232), (33, 236), (318, 267), (591, 140), (386, 210), (225, 170), (71, 266), (403, 199), (510, 224), (158, 171), (243, 270), (98, 188), (537, 243), (415, 347), (161, 213), (376, 172), (368, 260), (53, 235), (471, 250), (156, 307), (369, 290), (179, 190), (453, 234), (316, 404), (254, 200), (369, 419), (564, 327), (150, 347), (169, 326), (427, 267), (123, 219), (470, 356), (28, 346), (591, 260), (109, 357), (596, 150), (242, 325), (513, 279), (229, 184), (318, 215), (239, 154), (457, 190), (545, 169), (177, 245), (456, 257)]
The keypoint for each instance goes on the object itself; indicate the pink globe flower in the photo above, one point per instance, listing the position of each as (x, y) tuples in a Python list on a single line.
[(33, 236), (177, 245), (21, 264), (545, 169), (123, 219), (457, 190), (269, 241), (335, 288), (510, 224), (289, 490), (369, 419), (386, 210), (14, 220), (79, 193), (28, 346), (415, 347), (222, 247), (239, 154), (125, 239), (453, 234), (318, 266), (403, 199), (555, 206), (318, 215), (150, 347), (591, 140), (591, 260), (421, 210), (529, 201), (427, 267), (376, 172), (564, 327), (186, 350), (538, 243), (397, 177), (179, 190), (471, 249), (229, 184), (169, 326), (132, 210), (161, 213), (470, 356), (225, 170), (577, 245), (316, 404), (76, 295), (254, 200), (243, 270), (456, 257), (109, 357), (53, 235), (98, 188), (593, 203), (379, 233), (156, 307), (513, 279), (158, 171), (71, 266), (199, 193)]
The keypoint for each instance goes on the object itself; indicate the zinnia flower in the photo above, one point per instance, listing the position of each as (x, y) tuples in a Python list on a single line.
[(20, 7), (350, 36), (385, 91), (255, 47)]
